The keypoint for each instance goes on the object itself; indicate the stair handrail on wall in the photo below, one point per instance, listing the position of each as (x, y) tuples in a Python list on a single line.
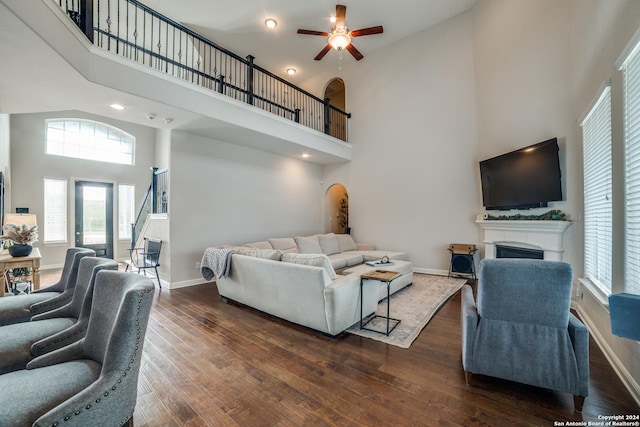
[(135, 31)]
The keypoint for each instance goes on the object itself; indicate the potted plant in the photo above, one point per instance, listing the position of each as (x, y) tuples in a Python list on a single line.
[(22, 237), (343, 214)]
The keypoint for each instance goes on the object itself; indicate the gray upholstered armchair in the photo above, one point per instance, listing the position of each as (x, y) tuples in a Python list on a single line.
[(22, 308), (92, 381), (53, 329), (521, 328)]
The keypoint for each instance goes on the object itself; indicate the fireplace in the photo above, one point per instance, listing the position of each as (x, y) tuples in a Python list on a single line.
[(503, 251), (526, 237)]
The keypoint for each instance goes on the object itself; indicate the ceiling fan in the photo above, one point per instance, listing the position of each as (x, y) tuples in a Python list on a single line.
[(340, 36)]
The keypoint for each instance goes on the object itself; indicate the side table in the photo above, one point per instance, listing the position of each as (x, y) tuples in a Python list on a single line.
[(380, 276), (7, 262)]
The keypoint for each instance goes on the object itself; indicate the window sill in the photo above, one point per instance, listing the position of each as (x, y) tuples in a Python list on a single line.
[(595, 291)]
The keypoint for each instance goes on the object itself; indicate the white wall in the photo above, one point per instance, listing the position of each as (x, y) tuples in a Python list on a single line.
[(413, 179), (30, 165), (223, 193)]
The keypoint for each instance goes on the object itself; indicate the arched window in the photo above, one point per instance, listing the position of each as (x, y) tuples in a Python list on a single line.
[(87, 139)]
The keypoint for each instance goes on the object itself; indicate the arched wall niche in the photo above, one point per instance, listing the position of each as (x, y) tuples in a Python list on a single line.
[(337, 209)]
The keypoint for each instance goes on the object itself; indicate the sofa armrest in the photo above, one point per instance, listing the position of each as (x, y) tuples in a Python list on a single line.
[(579, 335), (366, 246), (469, 322), (342, 301)]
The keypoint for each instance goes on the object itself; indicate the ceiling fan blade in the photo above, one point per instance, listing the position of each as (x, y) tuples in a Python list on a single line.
[(367, 31), (313, 33), (323, 52), (355, 52), (341, 15)]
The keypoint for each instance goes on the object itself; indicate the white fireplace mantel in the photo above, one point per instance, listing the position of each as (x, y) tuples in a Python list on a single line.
[(542, 235)]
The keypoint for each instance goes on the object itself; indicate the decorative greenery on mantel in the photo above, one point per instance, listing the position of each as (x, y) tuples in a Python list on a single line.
[(554, 215)]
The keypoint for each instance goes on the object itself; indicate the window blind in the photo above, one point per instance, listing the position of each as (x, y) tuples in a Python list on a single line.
[(55, 210), (598, 213), (126, 210), (631, 81)]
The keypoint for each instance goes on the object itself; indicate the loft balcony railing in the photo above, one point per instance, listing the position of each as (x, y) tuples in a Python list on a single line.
[(136, 32)]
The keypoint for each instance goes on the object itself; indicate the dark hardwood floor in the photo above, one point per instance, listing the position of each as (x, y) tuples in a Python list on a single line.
[(208, 363)]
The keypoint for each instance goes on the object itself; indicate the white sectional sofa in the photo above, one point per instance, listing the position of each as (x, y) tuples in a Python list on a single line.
[(295, 279)]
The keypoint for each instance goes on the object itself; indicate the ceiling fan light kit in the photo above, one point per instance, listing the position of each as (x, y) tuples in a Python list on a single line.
[(340, 37)]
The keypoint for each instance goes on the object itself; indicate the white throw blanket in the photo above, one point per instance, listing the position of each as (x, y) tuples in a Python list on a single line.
[(215, 262)]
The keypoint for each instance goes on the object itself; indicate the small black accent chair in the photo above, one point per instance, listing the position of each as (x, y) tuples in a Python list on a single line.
[(146, 258), (93, 381)]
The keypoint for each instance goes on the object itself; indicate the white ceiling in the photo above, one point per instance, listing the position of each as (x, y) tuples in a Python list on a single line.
[(239, 27)]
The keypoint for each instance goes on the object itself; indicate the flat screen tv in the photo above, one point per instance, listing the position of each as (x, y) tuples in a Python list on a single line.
[(526, 178)]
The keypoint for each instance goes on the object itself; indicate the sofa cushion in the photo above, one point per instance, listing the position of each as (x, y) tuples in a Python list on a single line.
[(346, 243), (345, 259), (271, 254), (328, 243), (376, 255), (284, 245), (308, 244), (260, 245), (316, 260)]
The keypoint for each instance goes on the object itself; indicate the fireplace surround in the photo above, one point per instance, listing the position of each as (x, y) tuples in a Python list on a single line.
[(545, 236)]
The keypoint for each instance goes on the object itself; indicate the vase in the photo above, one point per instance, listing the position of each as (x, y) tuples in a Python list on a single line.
[(20, 250)]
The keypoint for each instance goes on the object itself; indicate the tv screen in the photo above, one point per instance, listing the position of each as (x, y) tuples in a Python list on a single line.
[(522, 179)]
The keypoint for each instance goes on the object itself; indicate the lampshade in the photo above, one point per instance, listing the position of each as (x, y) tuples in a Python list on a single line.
[(18, 219), (339, 38)]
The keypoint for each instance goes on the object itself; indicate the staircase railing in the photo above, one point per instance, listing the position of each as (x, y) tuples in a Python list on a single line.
[(139, 33), (156, 200)]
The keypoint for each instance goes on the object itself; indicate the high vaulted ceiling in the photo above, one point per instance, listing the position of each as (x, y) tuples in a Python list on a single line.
[(239, 26)]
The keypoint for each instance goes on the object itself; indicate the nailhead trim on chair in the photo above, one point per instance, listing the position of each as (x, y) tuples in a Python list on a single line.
[(124, 374), (80, 331)]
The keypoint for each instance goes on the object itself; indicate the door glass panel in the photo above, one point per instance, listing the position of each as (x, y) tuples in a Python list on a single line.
[(94, 219)]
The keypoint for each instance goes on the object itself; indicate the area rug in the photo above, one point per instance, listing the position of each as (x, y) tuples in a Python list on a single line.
[(414, 305)]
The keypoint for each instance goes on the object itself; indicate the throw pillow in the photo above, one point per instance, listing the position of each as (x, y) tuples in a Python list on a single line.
[(328, 243), (285, 244), (271, 254), (308, 245), (346, 243), (260, 245), (316, 260)]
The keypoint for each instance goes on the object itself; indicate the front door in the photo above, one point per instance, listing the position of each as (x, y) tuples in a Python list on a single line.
[(94, 217)]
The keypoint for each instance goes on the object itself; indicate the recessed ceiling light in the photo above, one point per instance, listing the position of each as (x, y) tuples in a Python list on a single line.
[(332, 19), (118, 107), (291, 71), (306, 156), (271, 23)]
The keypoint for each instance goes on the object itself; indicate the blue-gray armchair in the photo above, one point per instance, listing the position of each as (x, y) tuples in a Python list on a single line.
[(53, 329), (23, 307), (92, 382), (521, 328)]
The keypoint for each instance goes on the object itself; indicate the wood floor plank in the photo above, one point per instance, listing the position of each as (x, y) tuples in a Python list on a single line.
[(209, 363)]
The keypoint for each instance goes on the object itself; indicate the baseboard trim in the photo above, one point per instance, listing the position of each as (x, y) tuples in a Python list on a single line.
[(625, 376), (431, 271), (185, 283)]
